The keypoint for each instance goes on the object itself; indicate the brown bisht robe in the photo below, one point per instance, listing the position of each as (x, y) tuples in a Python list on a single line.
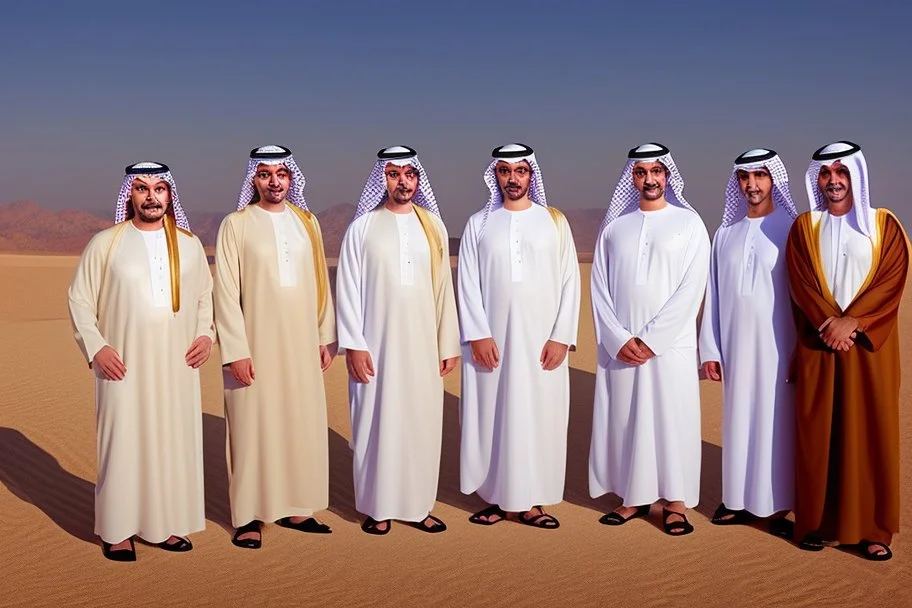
[(847, 403)]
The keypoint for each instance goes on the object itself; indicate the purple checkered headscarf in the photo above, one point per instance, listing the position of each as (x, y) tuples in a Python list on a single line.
[(273, 155), (626, 195), (759, 158), (512, 153), (121, 210), (374, 192)]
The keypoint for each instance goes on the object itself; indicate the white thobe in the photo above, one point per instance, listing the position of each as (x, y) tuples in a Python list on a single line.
[(748, 327), (648, 280), (846, 253), (149, 425), (387, 305), (519, 285)]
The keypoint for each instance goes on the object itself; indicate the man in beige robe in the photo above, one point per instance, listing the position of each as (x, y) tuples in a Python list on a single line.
[(141, 307), (274, 313), (398, 326)]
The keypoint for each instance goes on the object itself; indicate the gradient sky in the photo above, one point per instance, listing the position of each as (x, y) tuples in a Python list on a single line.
[(88, 87)]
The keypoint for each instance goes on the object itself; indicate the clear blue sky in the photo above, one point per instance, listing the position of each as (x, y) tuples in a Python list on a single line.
[(88, 87)]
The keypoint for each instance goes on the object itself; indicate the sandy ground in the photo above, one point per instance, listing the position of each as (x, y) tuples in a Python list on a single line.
[(51, 557)]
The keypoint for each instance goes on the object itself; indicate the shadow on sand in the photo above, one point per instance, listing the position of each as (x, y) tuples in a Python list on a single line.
[(34, 476), (582, 393)]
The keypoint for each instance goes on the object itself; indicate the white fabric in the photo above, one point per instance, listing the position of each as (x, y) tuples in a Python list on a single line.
[(292, 243), (159, 268), (736, 202), (846, 254), (861, 195), (626, 197), (646, 420), (149, 425), (296, 186), (374, 192), (495, 196), (747, 327), (407, 258), (514, 419), (396, 418), (123, 199)]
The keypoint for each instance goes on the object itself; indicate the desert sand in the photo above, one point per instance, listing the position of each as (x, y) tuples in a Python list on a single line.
[(50, 555)]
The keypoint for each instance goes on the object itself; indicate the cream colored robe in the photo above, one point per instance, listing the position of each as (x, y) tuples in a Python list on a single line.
[(278, 444), (149, 425), (408, 326)]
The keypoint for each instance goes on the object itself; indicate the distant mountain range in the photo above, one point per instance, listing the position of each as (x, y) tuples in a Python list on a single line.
[(26, 226)]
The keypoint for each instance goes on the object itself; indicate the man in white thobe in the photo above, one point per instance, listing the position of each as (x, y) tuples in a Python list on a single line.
[(398, 327), (141, 306), (274, 314), (746, 342), (519, 295), (648, 280)]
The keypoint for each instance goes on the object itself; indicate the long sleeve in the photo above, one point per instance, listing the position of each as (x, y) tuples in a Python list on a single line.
[(84, 297), (566, 325), (876, 308), (805, 285), (473, 319), (349, 304), (610, 333), (229, 312), (326, 323), (710, 331), (660, 333), (205, 323), (447, 318)]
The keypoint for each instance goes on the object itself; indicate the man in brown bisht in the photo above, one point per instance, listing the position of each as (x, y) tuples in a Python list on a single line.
[(847, 265)]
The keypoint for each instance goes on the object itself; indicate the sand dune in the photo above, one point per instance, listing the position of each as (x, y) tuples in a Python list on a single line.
[(51, 557)]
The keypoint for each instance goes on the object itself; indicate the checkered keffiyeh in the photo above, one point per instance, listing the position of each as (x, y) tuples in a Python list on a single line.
[(858, 169), (536, 187), (736, 202), (375, 193), (123, 197), (626, 196), (295, 189)]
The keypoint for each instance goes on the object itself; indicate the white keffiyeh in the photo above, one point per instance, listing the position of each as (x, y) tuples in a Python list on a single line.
[(159, 170), (273, 155), (536, 185), (626, 197), (850, 155), (374, 192), (736, 202)]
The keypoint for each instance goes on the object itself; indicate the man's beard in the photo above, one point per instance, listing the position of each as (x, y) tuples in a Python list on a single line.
[(151, 212), (515, 192), (653, 194), (402, 196), (836, 194)]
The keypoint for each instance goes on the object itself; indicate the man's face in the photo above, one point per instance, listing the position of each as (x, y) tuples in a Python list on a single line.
[(150, 197), (650, 179), (513, 178), (756, 185), (401, 183), (272, 182), (835, 182)]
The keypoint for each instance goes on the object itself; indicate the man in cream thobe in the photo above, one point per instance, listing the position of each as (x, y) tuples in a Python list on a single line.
[(274, 313), (141, 306)]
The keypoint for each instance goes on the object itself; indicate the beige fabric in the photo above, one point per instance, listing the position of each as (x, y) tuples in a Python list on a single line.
[(149, 425), (277, 427)]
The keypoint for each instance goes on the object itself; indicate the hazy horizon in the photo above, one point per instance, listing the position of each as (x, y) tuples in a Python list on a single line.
[(94, 87)]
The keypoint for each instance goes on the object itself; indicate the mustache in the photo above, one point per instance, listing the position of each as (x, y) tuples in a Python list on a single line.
[(152, 206)]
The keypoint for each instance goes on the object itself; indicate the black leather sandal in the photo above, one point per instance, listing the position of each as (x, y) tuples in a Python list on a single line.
[(370, 526), (309, 525), (181, 546), (675, 528), (248, 543), (616, 519), (120, 555)]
